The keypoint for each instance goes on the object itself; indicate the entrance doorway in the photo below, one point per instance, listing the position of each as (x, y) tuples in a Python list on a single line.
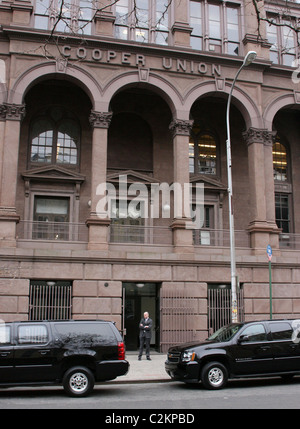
[(138, 298)]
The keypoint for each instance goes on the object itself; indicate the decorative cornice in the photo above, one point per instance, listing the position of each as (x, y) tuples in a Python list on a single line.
[(262, 136), (100, 119), (253, 38), (12, 112), (180, 127), (182, 27)]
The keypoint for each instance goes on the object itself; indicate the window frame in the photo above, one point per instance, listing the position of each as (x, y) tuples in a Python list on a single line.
[(278, 48), (243, 333), (44, 341), (283, 190), (278, 141), (279, 324), (54, 230), (216, 44), (51, 13), (130, 21), (56, 126), (195, 139), (280, 220)]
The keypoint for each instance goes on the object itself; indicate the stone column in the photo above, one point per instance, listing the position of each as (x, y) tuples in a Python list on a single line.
[(255, 38), (182, 236), (263, 228), (181, 29), (12, 114), (104, 19), (98, 222), (21, 12)]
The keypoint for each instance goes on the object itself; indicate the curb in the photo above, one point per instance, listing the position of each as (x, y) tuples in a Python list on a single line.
[(135, 381)]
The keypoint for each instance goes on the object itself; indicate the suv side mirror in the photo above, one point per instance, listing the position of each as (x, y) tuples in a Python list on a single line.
[(243, 339)]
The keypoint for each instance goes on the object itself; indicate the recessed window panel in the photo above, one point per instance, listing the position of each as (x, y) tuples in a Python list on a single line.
[(202, 153), (279, 162), (55, 140)]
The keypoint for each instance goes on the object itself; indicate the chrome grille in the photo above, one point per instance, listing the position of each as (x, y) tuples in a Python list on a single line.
[(173, 357)]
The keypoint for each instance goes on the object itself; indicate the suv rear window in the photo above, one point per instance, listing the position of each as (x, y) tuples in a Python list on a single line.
[(281, 331), (32, 334), (87, 333), (4, 335)]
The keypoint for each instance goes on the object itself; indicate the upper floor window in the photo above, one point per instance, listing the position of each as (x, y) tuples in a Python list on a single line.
[(280, 161), (66, 16), (54, 138), (142, 21), (283, 195), (202, 152), (216, 27), (281, 33)]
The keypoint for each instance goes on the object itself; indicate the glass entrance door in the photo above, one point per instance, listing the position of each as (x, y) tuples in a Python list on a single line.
[(138, 298)]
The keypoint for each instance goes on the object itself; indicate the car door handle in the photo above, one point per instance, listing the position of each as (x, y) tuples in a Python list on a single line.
[(265, 348), (44, 352), (293, 346), (4, 354)]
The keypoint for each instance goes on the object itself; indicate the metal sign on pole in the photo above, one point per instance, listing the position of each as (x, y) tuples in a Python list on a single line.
[(269, 253)]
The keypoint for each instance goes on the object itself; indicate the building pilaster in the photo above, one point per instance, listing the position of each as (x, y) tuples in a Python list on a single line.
[(10, 119), (262, 227), (182, 236), (181, 29), (98, 222), (105, 19)]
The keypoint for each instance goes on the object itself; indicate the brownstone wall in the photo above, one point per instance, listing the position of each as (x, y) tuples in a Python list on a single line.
[(14, 295)]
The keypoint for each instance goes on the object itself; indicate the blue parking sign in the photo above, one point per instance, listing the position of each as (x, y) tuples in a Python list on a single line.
[(269, 252)]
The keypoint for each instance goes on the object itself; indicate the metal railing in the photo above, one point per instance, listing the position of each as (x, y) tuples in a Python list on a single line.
[(220, 237), (140, 234), (58, 231), (135, 234), (289, 241)]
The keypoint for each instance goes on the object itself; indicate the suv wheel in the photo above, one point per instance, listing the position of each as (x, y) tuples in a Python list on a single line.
[(78, 381), (214, 375)]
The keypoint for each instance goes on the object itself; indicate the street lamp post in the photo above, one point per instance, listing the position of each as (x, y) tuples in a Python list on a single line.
[(249, 58)]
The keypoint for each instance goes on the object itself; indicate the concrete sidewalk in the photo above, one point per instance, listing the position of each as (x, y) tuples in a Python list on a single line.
[(144, 370)]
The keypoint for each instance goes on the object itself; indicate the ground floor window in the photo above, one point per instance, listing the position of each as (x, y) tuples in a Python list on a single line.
[(50, 300)]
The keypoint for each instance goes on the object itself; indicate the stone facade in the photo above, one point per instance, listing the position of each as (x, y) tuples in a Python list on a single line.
[(136, 106)]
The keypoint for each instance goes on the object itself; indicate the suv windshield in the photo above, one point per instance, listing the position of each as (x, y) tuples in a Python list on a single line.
[(225, 333)]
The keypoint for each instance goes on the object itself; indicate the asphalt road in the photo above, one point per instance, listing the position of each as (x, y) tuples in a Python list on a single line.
[(249, 394)]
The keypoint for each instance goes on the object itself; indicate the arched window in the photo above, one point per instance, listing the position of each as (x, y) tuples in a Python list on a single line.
[(280, 161), (202, 152), (55, 138)]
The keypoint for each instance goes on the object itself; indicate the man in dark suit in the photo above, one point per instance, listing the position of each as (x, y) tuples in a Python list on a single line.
[(145, 335)]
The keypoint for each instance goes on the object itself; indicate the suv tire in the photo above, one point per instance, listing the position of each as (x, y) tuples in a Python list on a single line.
[(78, 381), (214, 375)]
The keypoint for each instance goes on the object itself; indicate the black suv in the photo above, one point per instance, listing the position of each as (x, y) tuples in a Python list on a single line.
[(264, 348), (74, 353)]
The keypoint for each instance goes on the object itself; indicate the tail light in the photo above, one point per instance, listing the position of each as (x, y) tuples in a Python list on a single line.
[(121, 351)]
